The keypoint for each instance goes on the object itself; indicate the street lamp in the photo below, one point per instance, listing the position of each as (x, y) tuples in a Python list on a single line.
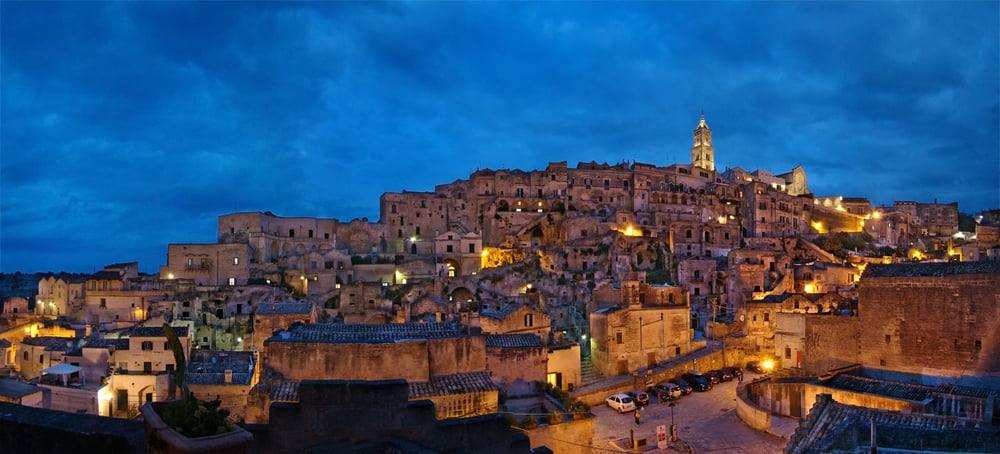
[(673, 427)]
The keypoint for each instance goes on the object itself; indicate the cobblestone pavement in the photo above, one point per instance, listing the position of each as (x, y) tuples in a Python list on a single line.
[(706, 423)]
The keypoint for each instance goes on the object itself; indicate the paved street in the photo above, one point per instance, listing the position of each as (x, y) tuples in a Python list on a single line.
[(706, 422)]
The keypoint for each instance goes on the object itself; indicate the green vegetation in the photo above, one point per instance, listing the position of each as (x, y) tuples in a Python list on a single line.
[(190, 416), (840, 243), (658, 277)]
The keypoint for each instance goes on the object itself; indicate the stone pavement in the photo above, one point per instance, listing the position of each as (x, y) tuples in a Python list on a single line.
[(706, 423)]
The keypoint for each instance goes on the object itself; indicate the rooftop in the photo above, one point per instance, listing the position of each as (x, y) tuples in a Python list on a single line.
[(157, 331), (930, 269), (14, 389), (442, 385), (513, 341), (50, 343), (894, 390), (283, 308), (362, 333)]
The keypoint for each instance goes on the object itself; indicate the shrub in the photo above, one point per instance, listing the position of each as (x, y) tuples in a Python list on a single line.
[(529, 422)]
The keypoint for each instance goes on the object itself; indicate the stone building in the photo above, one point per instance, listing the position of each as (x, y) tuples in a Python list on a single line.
[(517, 363), (142, 372), (932, 320), (515, 319), (933, 219), (272, 317), (646, 325), (208, 264), (410, 351), (224, 376), (37, 353), (60, 295)]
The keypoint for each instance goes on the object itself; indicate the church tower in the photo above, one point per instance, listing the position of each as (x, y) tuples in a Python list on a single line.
[(702, 153)]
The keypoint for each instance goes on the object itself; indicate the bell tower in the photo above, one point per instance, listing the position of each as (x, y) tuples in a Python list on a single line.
[(702, 153)]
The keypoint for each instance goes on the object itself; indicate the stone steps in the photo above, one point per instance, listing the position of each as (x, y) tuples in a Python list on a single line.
[(588, 373)]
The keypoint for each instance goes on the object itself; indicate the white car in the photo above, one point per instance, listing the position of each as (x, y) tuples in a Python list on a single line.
[(621, 402)]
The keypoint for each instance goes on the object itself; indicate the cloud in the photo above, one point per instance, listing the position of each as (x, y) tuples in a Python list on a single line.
[(143, 122)]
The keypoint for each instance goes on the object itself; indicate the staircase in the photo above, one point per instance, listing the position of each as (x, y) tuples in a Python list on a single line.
[(588, 373)]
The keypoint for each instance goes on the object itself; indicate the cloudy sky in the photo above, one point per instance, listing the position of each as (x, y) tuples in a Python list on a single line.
[(128, 126)]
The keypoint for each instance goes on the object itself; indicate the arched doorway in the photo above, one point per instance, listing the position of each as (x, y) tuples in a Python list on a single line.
[(454, 268)]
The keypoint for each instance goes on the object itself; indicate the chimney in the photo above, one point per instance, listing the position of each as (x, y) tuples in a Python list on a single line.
[(229, 376)]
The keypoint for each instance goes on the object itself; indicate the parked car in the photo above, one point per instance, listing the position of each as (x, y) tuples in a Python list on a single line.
[(736, 370), (683, 385), (713, 376), (754, 366), (621, 402), (640, 397), (665, 391), (697, 381), (725, 374)]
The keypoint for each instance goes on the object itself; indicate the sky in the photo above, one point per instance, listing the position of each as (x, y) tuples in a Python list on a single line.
[(128, 126)]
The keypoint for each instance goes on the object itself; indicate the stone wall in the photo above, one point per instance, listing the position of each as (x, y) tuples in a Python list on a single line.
[(569, 436), (414, 360), (830, 343), (362, 417), (517, 370), (931, 325)]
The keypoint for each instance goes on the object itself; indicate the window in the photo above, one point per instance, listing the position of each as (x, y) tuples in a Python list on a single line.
[(25, 356), (232, 281), (697, 274), (529, 320), (236, 260), (166, 346), (147, 367), (888, 338), (472, 248), (788, 352), (687, 233), (147, 346), (392, 208), (104, 303), (41, 359), (881, 362), (310, 233), (291, 233), (618, 338), (767, 316), (449, 248), (979, 344)]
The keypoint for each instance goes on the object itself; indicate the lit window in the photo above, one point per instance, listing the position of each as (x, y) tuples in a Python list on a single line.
[(236, 260)]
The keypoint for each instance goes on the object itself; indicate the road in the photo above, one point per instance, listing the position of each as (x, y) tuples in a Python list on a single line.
[(707, 423)]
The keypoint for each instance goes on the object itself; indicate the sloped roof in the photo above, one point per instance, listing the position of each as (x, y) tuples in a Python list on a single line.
[(283, 308), (461, 383), (513, 341), (157, 331), (364, 333), (930, 269)]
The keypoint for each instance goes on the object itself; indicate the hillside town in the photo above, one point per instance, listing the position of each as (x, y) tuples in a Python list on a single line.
[(496, 313)]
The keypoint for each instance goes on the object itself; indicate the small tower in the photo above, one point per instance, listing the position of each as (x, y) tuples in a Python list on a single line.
[(702, 153)]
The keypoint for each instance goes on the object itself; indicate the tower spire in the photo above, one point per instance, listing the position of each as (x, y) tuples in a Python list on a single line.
[(702, 153)]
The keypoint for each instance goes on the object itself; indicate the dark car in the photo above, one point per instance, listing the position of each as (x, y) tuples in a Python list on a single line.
[(685, 387), (754, 366), (665, 391), (640, 397), (725, 374), (697, 381), (713, 376)]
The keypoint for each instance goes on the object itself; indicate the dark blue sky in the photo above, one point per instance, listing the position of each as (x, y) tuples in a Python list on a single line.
[(128, 126)]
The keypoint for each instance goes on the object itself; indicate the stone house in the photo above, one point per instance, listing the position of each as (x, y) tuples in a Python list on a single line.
[(515, 318), (429, 308), (650, 324), (564, 369), (142, 372), (37, 353), (517, 363), (224, 376), (272, 317), (60, 294)]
